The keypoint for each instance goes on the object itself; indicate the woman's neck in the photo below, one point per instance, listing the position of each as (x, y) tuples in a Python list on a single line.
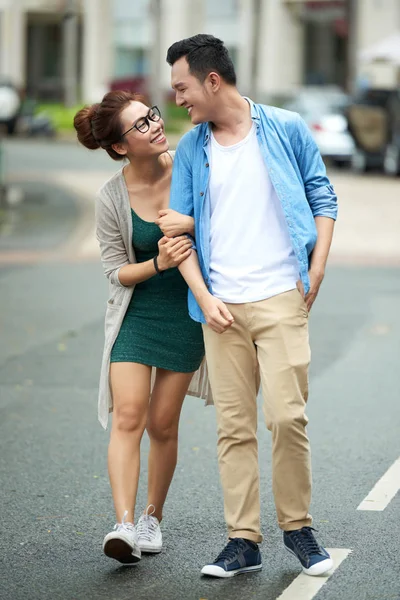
[(145, 171)]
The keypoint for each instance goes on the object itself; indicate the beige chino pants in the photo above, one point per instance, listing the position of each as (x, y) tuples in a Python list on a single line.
[(269, 339)]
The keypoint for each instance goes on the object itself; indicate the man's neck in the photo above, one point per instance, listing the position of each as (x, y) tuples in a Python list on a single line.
[(232, 121)]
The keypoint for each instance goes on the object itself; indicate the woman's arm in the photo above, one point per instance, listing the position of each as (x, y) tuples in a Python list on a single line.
[(112, 248), (171, 252), (116, 265)]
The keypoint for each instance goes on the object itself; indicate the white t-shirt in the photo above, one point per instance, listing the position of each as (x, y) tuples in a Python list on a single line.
[(251, 255)]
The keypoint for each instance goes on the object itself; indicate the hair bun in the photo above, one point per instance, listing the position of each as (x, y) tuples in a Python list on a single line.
[(83, 123)]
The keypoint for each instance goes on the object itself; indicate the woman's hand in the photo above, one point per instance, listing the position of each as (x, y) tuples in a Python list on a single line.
[(173, 223), (171, 252)]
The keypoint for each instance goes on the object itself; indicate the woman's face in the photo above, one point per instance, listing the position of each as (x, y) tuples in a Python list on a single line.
[(143, 131)]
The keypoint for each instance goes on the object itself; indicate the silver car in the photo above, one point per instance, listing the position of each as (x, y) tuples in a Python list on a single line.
[(10, 105), (323, 109)]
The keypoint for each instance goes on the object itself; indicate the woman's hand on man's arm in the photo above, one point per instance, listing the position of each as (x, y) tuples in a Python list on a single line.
[(171, 252), (173, 223)]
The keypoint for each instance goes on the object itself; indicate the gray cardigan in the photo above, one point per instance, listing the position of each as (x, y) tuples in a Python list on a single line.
[(114, 233)]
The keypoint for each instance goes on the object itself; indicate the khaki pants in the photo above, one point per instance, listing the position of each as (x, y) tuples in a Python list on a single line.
[(269, 337)]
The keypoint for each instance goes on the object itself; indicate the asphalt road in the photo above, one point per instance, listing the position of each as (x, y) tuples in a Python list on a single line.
[(55, 497)]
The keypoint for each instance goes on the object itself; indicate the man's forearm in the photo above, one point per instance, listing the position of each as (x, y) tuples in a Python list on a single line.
[(325, 227), (190, 271)]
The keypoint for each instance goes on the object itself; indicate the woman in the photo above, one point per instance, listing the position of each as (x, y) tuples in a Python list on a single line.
[(147, 323)]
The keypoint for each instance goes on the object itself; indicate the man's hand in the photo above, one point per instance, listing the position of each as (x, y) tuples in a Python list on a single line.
[(316, 278), (216, 314), (173, 223)]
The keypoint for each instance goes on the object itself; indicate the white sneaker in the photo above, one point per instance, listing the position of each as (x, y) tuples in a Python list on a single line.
[(122, 543), (149, 532)]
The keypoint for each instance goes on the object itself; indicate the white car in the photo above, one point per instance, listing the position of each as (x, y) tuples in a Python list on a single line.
[(10, 105), (323, 109)]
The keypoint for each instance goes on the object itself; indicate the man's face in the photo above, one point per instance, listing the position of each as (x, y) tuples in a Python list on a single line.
[(190, 93)]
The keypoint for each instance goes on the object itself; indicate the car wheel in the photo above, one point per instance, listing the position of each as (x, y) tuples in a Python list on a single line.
[(359, 162), (340, 163), (391, 162)]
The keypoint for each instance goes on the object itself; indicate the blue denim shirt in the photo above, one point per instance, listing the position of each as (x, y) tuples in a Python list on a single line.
[(296, 170)]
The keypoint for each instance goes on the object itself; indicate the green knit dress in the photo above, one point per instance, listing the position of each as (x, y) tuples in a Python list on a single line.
[(157, 329)]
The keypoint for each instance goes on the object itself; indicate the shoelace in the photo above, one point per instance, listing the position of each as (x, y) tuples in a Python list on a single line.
[(147, 524), (305, 540), (230, 550), (124, 525)]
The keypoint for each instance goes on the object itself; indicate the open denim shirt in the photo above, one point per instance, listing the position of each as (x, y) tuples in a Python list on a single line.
[(297, 173)]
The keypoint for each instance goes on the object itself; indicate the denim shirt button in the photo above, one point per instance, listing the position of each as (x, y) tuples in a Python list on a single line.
[(201, 193), (207, 165)]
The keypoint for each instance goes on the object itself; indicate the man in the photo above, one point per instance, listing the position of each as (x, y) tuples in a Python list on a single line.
[(264, 210)]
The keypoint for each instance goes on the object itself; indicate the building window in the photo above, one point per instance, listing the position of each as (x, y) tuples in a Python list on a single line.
[(221, 8), (130, 62)]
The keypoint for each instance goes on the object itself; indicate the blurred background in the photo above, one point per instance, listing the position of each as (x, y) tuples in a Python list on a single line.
[(319, 58), (337, 63)]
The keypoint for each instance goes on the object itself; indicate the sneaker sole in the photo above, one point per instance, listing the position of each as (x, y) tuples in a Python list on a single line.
[(150, 549), (213, 571), (318, 569), (121, 551)]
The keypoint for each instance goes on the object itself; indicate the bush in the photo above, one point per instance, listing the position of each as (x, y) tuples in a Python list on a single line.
[(62, 117)]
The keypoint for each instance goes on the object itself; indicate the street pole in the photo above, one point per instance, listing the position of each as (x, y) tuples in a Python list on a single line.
[(255, 49), (70, 53), (195, 17), (155, 81), (352, 46)]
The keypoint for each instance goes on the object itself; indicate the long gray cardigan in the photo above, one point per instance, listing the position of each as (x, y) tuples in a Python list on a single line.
[(114, 233)]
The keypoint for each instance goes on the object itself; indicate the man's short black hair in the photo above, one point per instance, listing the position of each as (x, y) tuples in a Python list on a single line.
[(204, 54)]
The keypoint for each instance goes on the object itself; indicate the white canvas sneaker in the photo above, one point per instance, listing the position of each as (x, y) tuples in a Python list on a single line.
[(149, 532), (122, 543)]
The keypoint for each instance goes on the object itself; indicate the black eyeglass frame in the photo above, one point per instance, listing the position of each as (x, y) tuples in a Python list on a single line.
[(147, 120)]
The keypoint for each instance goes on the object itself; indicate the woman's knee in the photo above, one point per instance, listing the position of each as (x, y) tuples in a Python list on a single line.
[(162, 429), (129, 419)]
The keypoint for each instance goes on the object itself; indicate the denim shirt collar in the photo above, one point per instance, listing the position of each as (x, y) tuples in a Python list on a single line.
[(255, 116)]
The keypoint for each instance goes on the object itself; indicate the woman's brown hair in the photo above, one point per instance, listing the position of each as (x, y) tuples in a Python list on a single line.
[(99, 125)]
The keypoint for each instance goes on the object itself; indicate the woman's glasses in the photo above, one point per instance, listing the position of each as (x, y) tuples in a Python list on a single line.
[(143, 124)]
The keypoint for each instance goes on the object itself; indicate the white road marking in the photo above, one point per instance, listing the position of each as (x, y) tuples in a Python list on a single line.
[(384, 491), (305, 587)]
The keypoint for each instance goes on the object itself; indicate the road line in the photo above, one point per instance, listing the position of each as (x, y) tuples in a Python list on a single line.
[(384, 491), (305, 587)]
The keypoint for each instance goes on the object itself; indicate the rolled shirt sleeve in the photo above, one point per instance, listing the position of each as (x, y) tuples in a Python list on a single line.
[(319, 191)]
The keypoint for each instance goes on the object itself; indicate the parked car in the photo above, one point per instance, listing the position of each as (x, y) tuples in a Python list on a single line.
[(324, 110), (10, 105), (33, 123), (136, 84), (374, 122)]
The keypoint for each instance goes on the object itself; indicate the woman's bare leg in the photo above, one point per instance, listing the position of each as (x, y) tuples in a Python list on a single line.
[(162, 426), (130, 384)]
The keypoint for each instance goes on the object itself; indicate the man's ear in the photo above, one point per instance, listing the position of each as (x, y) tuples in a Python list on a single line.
[(214, 81), (119, 148)]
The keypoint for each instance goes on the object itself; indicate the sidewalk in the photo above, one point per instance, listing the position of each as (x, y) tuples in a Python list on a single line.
[(367, 230), (366, 233)]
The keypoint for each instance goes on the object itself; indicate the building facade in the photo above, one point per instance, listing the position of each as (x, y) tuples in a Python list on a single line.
[(277, 45), (36, 52)]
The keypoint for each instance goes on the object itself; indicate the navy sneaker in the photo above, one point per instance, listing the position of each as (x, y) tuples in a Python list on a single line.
[(314, 559), (238, 556)]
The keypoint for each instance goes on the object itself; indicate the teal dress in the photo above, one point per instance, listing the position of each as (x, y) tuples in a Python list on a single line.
[(157, 330)]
